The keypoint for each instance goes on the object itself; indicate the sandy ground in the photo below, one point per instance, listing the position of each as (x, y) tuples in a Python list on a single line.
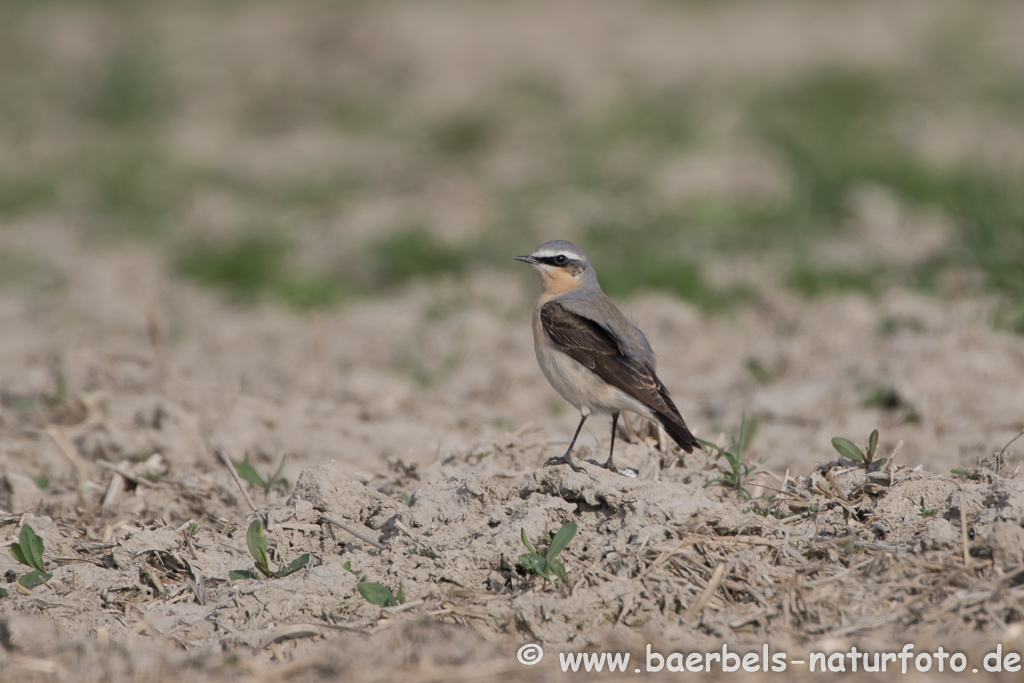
[(157, 367), (419, 418)]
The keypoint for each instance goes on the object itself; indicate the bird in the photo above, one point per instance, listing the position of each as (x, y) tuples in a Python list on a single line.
[(592, 355)]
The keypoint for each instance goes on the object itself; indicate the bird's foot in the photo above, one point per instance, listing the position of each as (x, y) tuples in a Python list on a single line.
[(564, 460), (606, 465)]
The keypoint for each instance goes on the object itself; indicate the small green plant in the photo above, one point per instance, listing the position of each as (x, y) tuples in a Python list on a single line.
[(545, 565), (852, 452), (348, 567), (966, 474), (248, 472), (761, 373), (29, 551), (739, 472), (379, 594), (424, 552), (193, 528), (414, 252), (38, 403), (928, 512), (256, 539)]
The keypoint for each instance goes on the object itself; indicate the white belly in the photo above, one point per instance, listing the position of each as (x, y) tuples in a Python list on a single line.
[(577, 384)]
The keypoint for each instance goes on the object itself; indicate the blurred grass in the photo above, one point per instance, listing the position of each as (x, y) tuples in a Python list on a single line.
[(254, 265), (131, 90), (331, 131), (835, 132), (412, 253), (811, 281), (28, 272)]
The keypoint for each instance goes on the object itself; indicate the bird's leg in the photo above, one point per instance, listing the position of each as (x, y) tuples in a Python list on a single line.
[(611, 452), (608, 465), (567, 458)]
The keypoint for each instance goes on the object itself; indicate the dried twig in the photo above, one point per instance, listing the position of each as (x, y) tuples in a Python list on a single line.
[(709, 590), (69, 451), (835, 485), (234, 475), (963, 533), (119, 469), (361, 537), (999, 457)]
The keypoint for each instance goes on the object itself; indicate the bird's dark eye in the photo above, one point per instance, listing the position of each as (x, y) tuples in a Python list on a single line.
[(560, 260)]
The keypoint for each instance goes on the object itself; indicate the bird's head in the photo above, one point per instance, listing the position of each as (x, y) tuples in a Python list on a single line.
[(560, 266)]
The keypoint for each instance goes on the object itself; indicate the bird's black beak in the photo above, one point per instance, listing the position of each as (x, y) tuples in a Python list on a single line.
[(526, 259)]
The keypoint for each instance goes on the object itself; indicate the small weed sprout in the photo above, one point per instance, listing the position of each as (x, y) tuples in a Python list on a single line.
[(928, 512), (545, 565), (348, 567), (29, 551), (379, 594), (739, 472), (256, 539), (853, 453), (966, 474), (275, 481)]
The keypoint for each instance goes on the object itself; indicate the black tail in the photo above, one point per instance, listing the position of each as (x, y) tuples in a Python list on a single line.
[(679, 432)]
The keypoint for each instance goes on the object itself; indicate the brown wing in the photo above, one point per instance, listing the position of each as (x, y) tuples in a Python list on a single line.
[(594, 347)]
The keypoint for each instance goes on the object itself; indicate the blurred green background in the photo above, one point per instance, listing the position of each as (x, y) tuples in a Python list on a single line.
[(310, 152)]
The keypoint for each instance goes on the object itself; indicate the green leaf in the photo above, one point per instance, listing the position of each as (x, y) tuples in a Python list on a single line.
[(561, 539), (847, 449), (400, 596), (526, 541), (18, 554), (276, 479), (249, 473), (559, 569), (22, 404), (872, 444), (3, 593), (256, 539), (712, 444), (741, 443), (31, 548), (34, 578), (534, 562), (301, 562), (877, 465), (237, 574), (42, 483), (377, 594)]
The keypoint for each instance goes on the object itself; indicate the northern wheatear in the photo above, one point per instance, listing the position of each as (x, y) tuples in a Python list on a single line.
[(591, 354)]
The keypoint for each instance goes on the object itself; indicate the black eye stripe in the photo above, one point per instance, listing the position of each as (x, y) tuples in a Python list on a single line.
[(550, 260)]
